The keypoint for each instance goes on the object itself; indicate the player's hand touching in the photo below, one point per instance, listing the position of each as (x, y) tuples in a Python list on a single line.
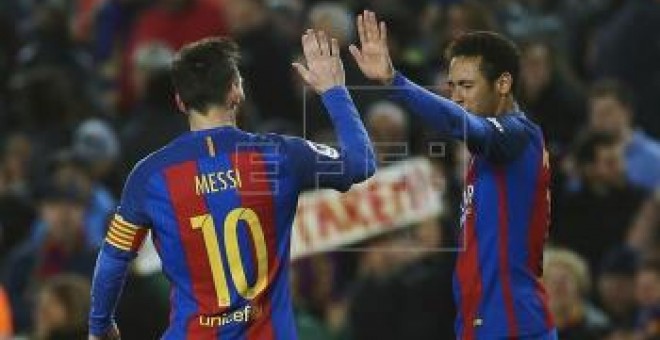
[(324, 67), (373, 57)]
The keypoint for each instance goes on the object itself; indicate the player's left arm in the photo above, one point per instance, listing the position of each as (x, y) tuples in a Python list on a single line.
[(319, 165), (499, 139), (125, 236)]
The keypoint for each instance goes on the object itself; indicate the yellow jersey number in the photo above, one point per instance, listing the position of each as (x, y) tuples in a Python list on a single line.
[(207, 225)]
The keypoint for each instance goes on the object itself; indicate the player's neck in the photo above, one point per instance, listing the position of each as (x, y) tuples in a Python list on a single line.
[(213, 118)]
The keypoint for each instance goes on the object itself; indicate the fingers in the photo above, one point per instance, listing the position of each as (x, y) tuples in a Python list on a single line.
[(323, 43), (310, 45), (383, 32), (360, 27), (357, 55), (373, 27), (304, 39), (334, 48), (304, 73), (368, 31)]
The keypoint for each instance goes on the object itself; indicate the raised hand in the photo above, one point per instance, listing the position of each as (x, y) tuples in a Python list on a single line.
[(324, 67), (373, 58)]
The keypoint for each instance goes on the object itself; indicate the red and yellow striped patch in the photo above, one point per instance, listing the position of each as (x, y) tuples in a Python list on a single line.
[(124, 235)]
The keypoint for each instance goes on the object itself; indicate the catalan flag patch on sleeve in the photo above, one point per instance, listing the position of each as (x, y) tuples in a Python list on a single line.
[(125, 235)]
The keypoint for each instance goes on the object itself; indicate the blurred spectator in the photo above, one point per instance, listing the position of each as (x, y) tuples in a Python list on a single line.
[(388, 128), (15, 156), (567, 280), (62, 308), (334, 19), (113, 26), (52, 47), (265, 61), (71, 169), (548, 97), (597, 216), (648, 297), (48, 107), (524, 19), (174, 23), (155, 120), (611, 110), (408, 282), (61, 249), (16, 215), (616, 287), (178, 22), (644, 235), (460, 17), (96, 145), (5, 316), (626, 48)]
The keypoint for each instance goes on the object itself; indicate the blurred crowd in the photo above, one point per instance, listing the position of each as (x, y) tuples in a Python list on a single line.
[(85, 93)]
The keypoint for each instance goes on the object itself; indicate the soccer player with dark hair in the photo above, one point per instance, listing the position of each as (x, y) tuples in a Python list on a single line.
[(506, 199), (220, 201)]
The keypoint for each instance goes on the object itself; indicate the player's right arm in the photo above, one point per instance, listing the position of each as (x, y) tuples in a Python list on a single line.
[(124, 238), (319, 165), (497, 138)]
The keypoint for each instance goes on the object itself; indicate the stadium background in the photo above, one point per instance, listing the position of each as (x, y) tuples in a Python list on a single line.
[(84, 94)]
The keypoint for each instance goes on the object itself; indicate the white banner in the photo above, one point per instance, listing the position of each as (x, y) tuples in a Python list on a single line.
[(396, 197)]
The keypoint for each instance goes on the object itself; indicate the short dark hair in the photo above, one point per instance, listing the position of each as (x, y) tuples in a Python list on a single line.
[(612, 88), (498, 54), (203, 71), (588, 143)]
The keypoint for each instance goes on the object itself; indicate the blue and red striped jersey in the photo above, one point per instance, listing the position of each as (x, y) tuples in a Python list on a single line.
[(506, 210), (220, 204)]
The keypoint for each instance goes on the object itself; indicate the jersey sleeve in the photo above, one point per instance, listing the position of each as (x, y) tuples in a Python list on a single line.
[(315, 165), (126, 233), (321, 166), (499, 139)]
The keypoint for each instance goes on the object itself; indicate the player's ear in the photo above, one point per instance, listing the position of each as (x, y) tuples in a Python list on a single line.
[(235, 95), (504, 84), (179, 103)]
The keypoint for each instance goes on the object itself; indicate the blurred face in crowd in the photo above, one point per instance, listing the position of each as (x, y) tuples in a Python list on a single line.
[(535, 69), (50, 314), (388, 128), (470, 88), (648, 288), (242, 15), (63, 218), (617, 293), (607, 114), (608, 166), (562, 284), (14, 162)]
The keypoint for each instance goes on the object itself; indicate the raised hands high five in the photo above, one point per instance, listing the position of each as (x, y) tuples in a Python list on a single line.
[(373, 56)]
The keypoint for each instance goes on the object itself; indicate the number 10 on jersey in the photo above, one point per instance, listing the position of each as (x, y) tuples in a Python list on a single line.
[(233, 253)]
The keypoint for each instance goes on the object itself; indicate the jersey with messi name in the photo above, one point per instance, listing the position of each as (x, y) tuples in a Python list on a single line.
[(220, 204)]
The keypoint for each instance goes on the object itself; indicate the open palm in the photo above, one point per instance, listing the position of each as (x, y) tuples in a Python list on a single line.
[(373, 58), (324, 67)]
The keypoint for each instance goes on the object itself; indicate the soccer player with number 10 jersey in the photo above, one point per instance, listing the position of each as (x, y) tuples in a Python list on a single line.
[(219, 202)]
